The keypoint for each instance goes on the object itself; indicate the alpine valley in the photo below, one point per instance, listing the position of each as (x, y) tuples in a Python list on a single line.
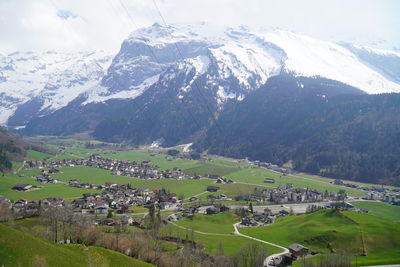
[(325, 107)]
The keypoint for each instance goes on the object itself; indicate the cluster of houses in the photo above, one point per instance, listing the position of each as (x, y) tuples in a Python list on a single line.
[(216, 208), (258, 219), (141, 170), (118, 198), (288, 194), (391, 196), (45, 177), (23, 208), (270, 166), (121, 197)]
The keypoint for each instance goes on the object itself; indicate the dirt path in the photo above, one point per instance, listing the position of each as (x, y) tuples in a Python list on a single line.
[(269, 258)]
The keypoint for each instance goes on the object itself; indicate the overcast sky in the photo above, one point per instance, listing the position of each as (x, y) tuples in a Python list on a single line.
[(104, 24)]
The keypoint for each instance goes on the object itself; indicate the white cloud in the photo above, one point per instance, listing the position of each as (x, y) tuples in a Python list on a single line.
[(103, 24)]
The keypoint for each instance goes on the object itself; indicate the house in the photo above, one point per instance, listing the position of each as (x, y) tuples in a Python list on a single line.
[(54, 170), (338, 182), (217, 208), (212, 188), (110, 184), (247, 221), (298, 250), (100, 207), (262, 218), (211, 211), (220, 180), (213, 176), (284, 260), (269, 180), (127, 220), (362, 210), (22, 187), (193, 199), (100, 210)]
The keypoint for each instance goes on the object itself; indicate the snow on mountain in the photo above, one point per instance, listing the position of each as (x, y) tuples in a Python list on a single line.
[(56, 78), (386, 62), (230, 62), (311, 57), (236, 61), (239, 60)]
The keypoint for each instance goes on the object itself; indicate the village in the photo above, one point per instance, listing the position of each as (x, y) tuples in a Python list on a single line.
[(127, 168), (375, 193)]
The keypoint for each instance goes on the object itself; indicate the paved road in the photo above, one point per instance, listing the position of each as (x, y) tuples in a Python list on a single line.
[(296, 207), (269, 258)]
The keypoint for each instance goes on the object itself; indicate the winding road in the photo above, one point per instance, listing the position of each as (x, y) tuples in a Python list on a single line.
[(269, 258)]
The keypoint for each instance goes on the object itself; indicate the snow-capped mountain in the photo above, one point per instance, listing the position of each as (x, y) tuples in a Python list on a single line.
[(159, 66), (50, 79), (243, 57)]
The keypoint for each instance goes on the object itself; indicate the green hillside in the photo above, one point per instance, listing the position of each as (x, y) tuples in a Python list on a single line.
[(22, 249), (330, 230), (220, 223), (382, 210)]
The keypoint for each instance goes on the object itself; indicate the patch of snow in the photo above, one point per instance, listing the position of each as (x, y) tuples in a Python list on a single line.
[(310, 57), (186, 148), (200, 63), (56, 77), (101, 93)]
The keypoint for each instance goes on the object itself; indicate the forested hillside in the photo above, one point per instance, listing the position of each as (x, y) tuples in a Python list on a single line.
[(13, 148), (313, 123)]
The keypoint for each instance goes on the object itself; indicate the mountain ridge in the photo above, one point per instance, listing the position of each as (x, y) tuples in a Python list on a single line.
[(239, 54)]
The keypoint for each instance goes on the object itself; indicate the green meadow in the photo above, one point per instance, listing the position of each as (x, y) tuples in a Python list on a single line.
[(221, 223), (44, 190), (328, 231), (380, 209), (210, 225), (23, 249)]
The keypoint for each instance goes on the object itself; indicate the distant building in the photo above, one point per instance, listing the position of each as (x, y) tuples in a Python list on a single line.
[(212, 188), (338, 182), (269, 180), (217, 208), (22, 187), (298, 250), (213, 176)]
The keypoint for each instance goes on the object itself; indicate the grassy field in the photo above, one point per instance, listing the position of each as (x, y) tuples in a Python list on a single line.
[(227, 167), (331, 230), (231, 244), (161, 160), (36, 155), (230, 168), (257, 176), (380, 209), (220, 223), (45, 190), (99, 176), (185, 187), (23, 249)]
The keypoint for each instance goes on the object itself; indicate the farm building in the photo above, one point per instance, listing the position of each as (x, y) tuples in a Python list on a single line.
[(212, 188), (298, 250), (22, 187), (269, 180)]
